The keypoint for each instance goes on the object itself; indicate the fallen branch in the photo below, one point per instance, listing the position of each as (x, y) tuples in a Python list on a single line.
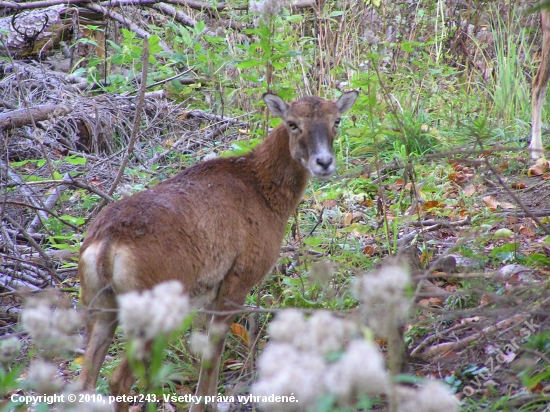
[(462, 343), (434, 337), (89, 188), (55, 255), (432, 222), (37, 247), (178, 15), (32, 196), (13, 284), (199, 114), (22, 117), (155, 159), (123, 20), (49, 204)]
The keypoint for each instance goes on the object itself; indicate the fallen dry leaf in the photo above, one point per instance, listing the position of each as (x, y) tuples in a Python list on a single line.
[(347, 219), (491, 202), (507, 205), (433, 204), (526, 231), (518, 185), (240, 331), (369, 250), (502, 166), (330, 203), (430, 302), (469, 190), (540, 167)]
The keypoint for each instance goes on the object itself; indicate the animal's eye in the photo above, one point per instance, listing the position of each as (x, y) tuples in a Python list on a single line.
[(292, 126), (337, 122)]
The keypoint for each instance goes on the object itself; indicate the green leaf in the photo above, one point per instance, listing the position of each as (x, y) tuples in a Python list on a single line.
[(84, 40), (532, 382), (199, 27), (73, 220), (21, 163), (279, 65), (336, 13), (154, 46), (115, 46), (75, 160), (64, 246), (249, 63), (128, 35), (295, 18)]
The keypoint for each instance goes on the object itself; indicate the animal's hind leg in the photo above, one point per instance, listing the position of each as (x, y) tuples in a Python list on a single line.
[(100, 329), (121, 382), (228, 297)]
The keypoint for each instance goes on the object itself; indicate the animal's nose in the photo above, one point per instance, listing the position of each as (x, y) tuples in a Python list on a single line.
[(324, 161)]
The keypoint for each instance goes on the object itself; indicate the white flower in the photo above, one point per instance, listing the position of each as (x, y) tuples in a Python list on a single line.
[(434, 396), (360, 371), (265, 7), (382, 294), (201, 345), (9, 349), (160, 311), (322, 333), (288, 326), (67, 321), (295, 362), (42, 377), (53, 330), (286, 371), (327, 333)]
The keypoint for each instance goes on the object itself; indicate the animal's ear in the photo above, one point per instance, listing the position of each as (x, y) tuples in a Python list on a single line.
[(276, 105), (347, 100)]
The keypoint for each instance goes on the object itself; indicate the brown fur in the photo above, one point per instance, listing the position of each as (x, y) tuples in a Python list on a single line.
[(217, 227)]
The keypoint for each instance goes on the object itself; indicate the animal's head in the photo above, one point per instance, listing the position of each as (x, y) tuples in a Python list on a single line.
[(312, 124)]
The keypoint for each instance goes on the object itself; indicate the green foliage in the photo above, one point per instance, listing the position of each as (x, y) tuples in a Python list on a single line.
[(511, 91)]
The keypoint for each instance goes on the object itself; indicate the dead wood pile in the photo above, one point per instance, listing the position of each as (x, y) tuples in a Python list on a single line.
[(60, 147)]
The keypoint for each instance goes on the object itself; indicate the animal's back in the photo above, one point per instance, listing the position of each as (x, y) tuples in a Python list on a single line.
[(197, 227)]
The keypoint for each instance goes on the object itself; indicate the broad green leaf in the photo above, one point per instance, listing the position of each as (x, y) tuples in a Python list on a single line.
[(249, 63), (75, 160)]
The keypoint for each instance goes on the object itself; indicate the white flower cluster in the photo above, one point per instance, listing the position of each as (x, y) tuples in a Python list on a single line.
[(265, 9), (53, 328), (295, 363), (382, 294), (42, 377), (200, 345), (9, 349), (159, 311), (432, 397)]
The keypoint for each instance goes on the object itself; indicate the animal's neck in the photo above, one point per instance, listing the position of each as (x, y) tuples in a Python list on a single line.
[(281, 179)]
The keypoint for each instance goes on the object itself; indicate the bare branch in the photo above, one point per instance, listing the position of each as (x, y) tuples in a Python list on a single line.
[(131, 25), (37, 247), (22, 117), (49, 203), (137, 119)]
